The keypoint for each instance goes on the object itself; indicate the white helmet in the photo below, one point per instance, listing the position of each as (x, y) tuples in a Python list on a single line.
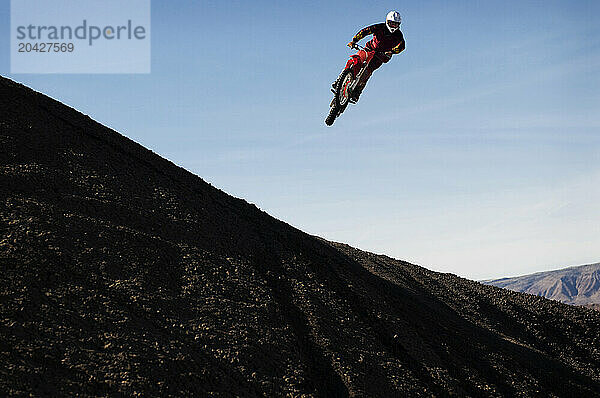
[(392, 21)]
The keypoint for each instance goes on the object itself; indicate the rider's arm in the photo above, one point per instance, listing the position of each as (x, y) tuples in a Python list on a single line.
[(369, 30), (399, 48)]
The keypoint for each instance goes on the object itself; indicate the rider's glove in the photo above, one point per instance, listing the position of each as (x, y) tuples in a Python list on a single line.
[(352, 44)]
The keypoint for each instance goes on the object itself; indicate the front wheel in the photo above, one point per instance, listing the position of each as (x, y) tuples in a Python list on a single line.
[(341, 95), (333, 112), (342, 89)]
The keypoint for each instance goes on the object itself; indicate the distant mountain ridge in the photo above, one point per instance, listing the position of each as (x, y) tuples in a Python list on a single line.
[(579, 285)]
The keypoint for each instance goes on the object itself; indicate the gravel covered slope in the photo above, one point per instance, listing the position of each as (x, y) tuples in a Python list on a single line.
[(125, 274)]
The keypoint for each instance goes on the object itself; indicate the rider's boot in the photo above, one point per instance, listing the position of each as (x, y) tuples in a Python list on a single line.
[(356, 94)]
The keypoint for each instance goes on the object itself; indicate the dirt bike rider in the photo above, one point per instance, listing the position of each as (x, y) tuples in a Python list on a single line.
[(387, 39)]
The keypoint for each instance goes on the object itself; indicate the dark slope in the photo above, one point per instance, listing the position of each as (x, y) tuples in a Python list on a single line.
[(574, 285), (122, 273)]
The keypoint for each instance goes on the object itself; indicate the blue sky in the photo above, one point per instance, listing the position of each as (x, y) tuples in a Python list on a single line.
[(476, 151)]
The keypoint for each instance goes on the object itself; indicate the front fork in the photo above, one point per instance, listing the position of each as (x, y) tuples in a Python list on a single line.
[(357, 79)]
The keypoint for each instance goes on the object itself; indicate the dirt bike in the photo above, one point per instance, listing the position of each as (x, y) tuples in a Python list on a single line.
[(346, 83)]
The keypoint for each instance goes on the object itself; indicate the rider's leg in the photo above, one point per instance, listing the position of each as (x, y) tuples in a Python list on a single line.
[(374, 64)]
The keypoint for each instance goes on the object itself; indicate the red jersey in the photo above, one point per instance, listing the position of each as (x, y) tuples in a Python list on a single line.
[(383, 40)]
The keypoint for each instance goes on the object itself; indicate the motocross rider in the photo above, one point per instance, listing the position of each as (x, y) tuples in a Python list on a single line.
[(387, 39)]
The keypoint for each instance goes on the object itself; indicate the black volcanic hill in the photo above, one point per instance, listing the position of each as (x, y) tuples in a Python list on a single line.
[(123, 274), (574, 285)]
